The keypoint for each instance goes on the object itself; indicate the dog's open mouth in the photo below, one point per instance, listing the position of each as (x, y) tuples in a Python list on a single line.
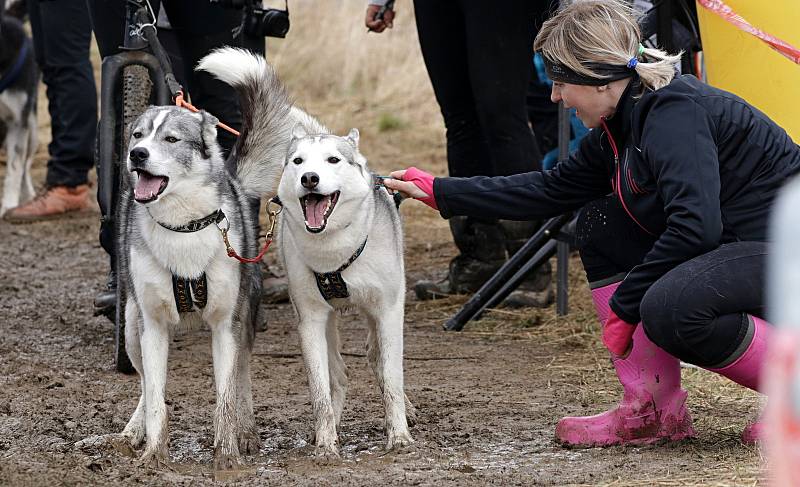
[(148, 186), (317, 208)]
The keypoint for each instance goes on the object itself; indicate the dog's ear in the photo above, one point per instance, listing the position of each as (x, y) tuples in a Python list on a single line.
[(208, 132), (353, 137), (299, 131)]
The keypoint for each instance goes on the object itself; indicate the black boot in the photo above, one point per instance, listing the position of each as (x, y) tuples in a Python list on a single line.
[(105, 301), (481, 253), (536, 291)]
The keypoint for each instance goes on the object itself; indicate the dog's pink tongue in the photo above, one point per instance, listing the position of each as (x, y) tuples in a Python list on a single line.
[(315, 211), (147, 186)]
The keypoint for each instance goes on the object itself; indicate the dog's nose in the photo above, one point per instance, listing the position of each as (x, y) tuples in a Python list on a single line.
[(139, 154), (309, 180)]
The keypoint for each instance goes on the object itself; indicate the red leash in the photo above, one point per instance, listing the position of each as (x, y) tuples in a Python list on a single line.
[(273, 218)]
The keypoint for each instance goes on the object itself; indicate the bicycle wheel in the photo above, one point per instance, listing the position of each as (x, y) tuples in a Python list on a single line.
[(136, 90)]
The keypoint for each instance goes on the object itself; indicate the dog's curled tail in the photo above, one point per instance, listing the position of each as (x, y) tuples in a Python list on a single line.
[(267, 117)]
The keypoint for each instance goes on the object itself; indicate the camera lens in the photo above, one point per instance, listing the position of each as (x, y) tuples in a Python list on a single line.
[(275, 23)]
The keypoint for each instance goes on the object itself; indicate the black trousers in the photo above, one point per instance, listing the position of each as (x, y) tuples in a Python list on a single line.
[(61, 39), (698, 310), (197, 28), (479, 59)]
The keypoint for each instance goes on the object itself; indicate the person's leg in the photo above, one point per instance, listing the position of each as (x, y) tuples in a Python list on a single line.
[(652, 406), (499, 44), (709, 312), (442, 37), (61, 38), (443, 41), (499, 61)]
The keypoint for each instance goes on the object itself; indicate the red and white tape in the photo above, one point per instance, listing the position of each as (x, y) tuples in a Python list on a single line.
[(720, 8)]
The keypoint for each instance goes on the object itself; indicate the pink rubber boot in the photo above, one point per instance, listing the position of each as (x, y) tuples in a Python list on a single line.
[(652, 406), (746, 370)]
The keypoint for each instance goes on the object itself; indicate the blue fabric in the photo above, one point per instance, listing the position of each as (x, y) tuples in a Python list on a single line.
[(550, 159), (12, 74)]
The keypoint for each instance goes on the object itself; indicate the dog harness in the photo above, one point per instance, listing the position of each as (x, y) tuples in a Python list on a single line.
[(11, 75), (191, 293), (331, 284)]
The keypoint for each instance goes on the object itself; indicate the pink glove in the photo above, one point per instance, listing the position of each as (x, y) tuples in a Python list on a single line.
[(617, 334), (423, 181)]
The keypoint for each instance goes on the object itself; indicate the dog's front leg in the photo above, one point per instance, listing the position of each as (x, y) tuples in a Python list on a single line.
[(15, 168), (30, 148), (387, 351), (314, 343), (155, 351), (135, 429), (225, 350)]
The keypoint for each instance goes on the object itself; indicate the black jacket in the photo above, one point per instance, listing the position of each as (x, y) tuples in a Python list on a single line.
[(697, 167)]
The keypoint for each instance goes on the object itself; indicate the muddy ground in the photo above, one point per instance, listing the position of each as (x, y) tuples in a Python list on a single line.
[(488, 397)]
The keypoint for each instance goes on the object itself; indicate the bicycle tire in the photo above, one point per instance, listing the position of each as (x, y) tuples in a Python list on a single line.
[(136, 91)]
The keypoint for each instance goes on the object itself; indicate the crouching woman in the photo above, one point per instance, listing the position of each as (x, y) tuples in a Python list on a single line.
[(675, 185)]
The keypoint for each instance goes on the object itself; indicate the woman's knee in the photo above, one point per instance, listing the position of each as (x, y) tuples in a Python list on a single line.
[(659, 319)]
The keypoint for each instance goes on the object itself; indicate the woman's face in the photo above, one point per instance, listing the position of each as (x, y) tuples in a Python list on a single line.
[(591, 102)]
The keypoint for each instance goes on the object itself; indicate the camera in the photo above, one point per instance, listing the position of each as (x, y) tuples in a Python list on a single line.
[(258, 21)]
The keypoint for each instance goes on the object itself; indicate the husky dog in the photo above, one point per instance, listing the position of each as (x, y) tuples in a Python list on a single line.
[(176, 273), (19, 79), (341, 240)]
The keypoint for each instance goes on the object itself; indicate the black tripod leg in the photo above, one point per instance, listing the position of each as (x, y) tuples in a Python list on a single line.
[(477, 302), (539, 258)]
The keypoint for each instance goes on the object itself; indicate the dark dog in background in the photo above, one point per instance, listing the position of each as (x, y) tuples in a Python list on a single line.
[(19, 80)]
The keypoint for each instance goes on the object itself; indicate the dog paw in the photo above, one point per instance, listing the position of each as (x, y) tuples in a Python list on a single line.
[(156, 459), (118, 442), (123, 444), (412, 416), (249, 443), (399, 441), (226, 461), (326, 455)]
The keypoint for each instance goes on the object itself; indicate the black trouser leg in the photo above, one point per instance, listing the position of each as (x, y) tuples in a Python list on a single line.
[(697, 311), (479, 62), (610, 243), (61, 36)]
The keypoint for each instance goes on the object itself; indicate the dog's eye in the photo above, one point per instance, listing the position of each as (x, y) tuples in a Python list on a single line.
[(333, 160), (171, 139), (297, 160), (137, 135)]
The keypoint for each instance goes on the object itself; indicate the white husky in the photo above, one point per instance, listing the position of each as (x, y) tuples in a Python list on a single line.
[(341, 239)]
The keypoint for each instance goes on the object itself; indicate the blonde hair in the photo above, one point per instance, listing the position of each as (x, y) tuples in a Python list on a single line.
[(590, 32)]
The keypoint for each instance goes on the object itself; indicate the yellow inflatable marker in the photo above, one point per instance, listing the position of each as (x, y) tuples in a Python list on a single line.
[(750, 49)]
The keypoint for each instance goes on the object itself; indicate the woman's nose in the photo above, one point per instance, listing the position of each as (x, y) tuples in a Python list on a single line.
[(555, 94)]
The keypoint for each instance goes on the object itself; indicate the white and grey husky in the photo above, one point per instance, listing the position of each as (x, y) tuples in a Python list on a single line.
[(174, 268), (341, 239), (19, 81)]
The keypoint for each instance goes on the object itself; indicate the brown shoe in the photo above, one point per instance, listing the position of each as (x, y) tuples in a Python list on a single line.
[(55, 202)]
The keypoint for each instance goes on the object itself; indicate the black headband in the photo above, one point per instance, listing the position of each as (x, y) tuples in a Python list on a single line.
[(609, 72)]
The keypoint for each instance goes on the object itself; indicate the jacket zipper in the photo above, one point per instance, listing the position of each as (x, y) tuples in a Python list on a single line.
[(618, 186)]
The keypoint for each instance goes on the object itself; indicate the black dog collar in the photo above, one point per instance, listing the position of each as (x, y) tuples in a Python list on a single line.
[(609, 72), (194, 225)]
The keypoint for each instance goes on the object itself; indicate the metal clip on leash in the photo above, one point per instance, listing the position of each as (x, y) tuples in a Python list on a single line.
[(273, 219)]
